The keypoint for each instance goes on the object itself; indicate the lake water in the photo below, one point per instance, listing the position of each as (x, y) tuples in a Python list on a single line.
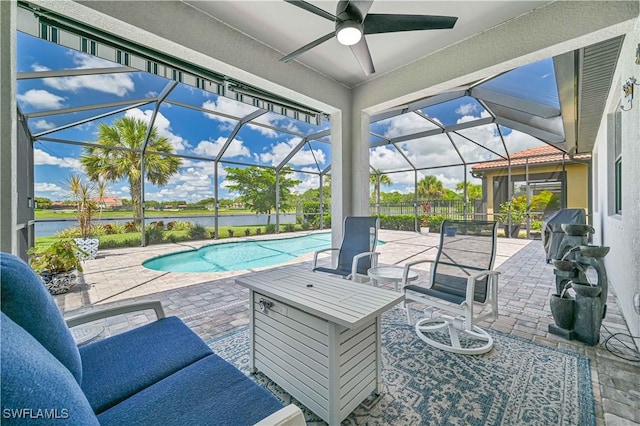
[(49, 227)]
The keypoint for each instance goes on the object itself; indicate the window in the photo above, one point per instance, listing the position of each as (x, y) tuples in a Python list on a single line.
[(614, 163), (618, 173)]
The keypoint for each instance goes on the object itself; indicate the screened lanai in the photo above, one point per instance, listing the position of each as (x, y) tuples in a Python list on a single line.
[(73, 80)]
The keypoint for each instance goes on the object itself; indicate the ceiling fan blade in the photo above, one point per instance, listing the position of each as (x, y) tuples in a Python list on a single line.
[(363, 6), (313, 9), (376, 24), (306, 47), (362, 54)]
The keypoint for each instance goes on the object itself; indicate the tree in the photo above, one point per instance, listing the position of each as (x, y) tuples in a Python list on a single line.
[(104, 162), (257, 188), (377, 178), (474, 192), (430, 187), (42, 202)]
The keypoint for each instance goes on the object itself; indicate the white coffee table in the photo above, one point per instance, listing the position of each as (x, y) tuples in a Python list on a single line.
[(318, 337), (390, 273)]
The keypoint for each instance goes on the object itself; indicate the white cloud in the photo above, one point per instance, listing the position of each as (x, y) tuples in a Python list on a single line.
[(163, 125), (42, 158), (211, 148), (308, 180), (47, 187), (238, 109), (42, 124), (279, 151), (41, 99), (405, 124), (118, 84), (466, 109)]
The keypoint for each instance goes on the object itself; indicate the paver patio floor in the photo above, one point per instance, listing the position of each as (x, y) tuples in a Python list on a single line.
[(212, 304)]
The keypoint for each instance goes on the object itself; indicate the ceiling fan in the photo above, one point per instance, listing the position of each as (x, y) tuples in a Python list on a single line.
[(353, 22)]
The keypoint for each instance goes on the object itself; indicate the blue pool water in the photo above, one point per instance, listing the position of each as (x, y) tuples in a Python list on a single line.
[(240, 255)]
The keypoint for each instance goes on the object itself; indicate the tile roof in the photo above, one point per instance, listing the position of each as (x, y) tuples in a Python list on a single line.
[(539, 155)]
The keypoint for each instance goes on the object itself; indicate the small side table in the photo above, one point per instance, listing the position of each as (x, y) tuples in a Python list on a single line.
[(84, 334), (390, 273)]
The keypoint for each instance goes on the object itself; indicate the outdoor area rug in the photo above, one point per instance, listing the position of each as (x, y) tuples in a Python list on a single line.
[(517, 383)]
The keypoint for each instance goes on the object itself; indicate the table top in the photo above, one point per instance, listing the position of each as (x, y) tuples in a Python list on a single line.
[(340, 301), (391, 273)]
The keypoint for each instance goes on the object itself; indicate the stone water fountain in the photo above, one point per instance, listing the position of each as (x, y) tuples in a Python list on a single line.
[(579, 317)]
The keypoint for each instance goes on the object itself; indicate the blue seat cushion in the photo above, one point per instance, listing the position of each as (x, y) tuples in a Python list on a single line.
[(28, 303), (118, 367), (37, 389), (332, 271), (208, 392), (435, 293)]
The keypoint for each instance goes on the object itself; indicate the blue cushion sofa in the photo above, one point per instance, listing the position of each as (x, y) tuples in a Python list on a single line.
[(159, 373)]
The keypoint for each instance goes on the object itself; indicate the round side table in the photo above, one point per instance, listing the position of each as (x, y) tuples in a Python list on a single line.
[(390, 273)]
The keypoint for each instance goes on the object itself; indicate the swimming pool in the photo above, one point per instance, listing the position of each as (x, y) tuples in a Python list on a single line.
[(240, 254)]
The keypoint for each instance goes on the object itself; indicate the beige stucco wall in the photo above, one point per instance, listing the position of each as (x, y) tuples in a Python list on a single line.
[(621, 232), (577, 182)]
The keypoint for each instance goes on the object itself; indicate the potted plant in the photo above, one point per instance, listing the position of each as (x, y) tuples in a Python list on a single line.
[(84, 195), (424, 225), (516, 211), (58, 265)]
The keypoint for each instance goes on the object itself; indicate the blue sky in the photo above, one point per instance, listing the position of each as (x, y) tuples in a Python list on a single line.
[(193, 132)]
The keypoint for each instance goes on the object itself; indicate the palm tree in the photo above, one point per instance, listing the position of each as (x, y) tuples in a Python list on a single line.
[(376, 178), (103, 162), (430, 187)]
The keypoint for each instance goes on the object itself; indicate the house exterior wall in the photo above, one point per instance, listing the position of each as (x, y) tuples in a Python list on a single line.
[(577, 185), (621, 232)]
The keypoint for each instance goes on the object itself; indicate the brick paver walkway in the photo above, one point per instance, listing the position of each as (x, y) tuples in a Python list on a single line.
[(212, 304)]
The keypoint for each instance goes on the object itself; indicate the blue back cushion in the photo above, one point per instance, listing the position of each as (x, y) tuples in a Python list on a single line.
[(36, 387), (357, 239), (28, 303)]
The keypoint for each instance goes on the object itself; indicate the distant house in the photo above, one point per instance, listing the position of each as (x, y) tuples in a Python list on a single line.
[(535, 170), (109, 202)]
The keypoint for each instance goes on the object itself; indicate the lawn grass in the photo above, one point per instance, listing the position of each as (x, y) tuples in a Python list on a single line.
[(68, 214)]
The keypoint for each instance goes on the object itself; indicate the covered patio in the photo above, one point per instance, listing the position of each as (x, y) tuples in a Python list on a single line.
[(593, 46), (213, 305)]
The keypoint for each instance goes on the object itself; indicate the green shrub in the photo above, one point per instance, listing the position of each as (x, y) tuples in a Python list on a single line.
[(289, 227), (133, 241), (259, 231), (180, 226), (270, 228), (247, 232), (170, 225), (398, 222), (118, 228), (70, 232), (153, 234), (305, 226), (230, 231), (197, 232), (131, 227)]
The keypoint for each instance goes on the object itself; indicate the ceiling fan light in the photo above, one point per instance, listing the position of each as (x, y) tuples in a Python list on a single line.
[(349, 33)]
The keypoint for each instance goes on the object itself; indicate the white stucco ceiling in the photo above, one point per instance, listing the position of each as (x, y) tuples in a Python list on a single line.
[(286, 28)]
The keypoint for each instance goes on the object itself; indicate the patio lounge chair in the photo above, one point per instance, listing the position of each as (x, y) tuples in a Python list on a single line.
[(461, 279), (158, 373), (357, 252)]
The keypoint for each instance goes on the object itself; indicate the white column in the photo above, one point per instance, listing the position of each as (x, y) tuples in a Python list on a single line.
[(8, 128)]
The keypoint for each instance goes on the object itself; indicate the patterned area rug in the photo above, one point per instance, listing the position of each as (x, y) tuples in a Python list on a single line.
[(517, 383)]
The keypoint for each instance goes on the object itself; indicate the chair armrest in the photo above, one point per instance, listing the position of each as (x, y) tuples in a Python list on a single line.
[(315, 255), (481, 274), (408, 265), (357, 257), (290, 415), (119, 310)]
